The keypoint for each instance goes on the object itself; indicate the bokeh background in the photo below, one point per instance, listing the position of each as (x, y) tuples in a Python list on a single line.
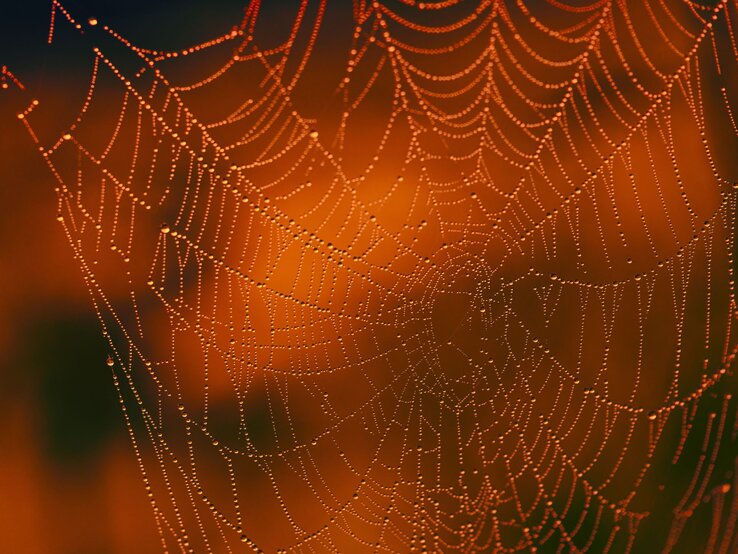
[(70, 482), (69, 479)]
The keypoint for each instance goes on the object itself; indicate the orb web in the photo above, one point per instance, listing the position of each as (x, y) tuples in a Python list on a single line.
[(399, 276)]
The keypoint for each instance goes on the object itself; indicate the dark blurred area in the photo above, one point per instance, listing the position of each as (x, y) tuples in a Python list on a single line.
[(69, 481)]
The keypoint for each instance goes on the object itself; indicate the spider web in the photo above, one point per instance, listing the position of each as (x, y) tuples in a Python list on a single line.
[(400, 276)]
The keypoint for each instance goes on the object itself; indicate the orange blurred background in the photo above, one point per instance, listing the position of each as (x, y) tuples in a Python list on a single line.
[(577, 310)]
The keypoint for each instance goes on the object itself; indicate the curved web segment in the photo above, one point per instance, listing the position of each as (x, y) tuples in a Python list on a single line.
[(398, 276)]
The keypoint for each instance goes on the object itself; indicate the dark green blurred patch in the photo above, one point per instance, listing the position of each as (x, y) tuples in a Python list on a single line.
[(78, 406), (260, 425)]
